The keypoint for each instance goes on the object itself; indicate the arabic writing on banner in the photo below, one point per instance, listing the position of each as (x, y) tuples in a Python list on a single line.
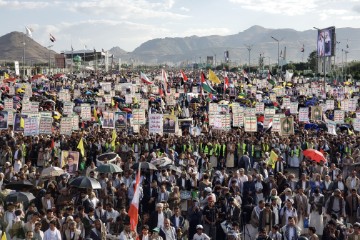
[(30, 107), (339, 116), (139, 117), (66, 125), (8, 103), (144, 103), (220, 121), (46, 125), (68, 108), (85, 112), (31, 126), (304, 114), (250, 111), (237, 116), (259, 108), (250, 124), (155, 123), (75, 122), (294, 107)]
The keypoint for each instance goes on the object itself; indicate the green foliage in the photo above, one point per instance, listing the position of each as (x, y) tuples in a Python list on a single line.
[(312, 61)]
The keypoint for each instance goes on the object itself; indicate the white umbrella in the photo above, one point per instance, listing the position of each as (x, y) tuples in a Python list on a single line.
[(52, 172)]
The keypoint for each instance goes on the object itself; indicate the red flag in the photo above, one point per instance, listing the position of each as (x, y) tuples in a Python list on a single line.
[(134, 207), (52, 143), (184, 77), (202, 77), (226, 82)]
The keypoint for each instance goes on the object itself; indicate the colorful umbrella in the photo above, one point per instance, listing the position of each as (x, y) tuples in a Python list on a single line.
[(314, 155)]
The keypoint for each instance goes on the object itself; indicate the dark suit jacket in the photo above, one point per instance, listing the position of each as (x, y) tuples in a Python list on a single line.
[(187, 186), (94, 236), (153, 221), (181, 221), (235, 217)]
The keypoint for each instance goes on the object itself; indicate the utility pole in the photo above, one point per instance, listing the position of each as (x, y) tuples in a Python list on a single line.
[(49, 47), (278, 53), (249, 48), (346, 53)]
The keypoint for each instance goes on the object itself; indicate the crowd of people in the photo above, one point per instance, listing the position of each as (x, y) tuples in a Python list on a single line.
[(219, 184)]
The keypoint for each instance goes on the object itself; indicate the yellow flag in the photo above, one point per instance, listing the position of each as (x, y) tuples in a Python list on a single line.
[(113, 138), (22, 123), (213, 77), (3, 237), (80, 146), (172, 112), (6, 75), (95, 115), (112, 102), (272, 160)]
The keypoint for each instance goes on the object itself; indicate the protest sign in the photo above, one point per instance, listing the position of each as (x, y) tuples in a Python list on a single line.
[(4, 120), (294, 107), (85, 112), (339, 116), (68, 108), (120, 119), (45, 125), (108, 120), (304, 114), (316, 113), (169, 123), (287, 126), (66, 125), (31, 126), (250, 124), (156, 123), (139, 117)]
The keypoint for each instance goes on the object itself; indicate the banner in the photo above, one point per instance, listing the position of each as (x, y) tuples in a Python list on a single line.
[(237, 116), (8, 104), (139, 117), (64, 95), (169, 123), (220, 121), (19, 122), (286, 102), (287, 126), (304, 114), (356, 124), (276, 126), (339, 116), (17, 68), (250, 124), (75, 122), (144, 104), (70, 159), (331, 125), (120, 119), (10, 117), (330, 104), (155, 123), (107, 98), (45, 125), (30, 107), (250, 111), (4, 120), (108, 120), (31, 126), (268, 118), (316, 113), (85, 112), (66, 125), (68, 108), (294, 107), (345, 105), (352, 104), (260, 108)]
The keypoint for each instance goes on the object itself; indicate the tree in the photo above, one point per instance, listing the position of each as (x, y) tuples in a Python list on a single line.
[(312, 61)]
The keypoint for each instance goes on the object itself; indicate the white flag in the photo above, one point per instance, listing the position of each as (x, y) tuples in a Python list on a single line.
[(28, 31)]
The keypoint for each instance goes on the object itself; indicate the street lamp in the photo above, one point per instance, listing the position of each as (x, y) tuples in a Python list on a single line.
[(49, 47), (249, 47), (278, 42)]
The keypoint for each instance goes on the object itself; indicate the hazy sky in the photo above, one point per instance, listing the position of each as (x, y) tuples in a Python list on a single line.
[(128, 23)]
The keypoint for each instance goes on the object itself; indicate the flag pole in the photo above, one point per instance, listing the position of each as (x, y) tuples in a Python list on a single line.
[(24, 55)]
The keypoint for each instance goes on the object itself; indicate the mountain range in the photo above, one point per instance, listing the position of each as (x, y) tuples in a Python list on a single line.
[(249, 43)]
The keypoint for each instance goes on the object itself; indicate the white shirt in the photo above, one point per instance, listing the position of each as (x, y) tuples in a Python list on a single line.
[(203, 236), (52, 235), (160, 220), (341, 186), (126, 236)]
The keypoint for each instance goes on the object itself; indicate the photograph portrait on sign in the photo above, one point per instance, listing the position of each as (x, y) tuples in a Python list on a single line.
[(120, 119), (108, 120), (3, 120), (70, 160)]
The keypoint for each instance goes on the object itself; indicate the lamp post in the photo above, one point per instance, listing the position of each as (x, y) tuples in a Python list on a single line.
[(346, 53), (49, 47), (278, 43), (249, 47)]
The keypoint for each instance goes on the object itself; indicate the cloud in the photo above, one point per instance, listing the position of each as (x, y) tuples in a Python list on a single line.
[(286, 7), (127, 9), (356, 8), (184, 9), (330, 13), (99, 34), (24, 4)]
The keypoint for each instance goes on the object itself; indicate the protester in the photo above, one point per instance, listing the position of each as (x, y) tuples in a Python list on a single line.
[(210, 176)]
